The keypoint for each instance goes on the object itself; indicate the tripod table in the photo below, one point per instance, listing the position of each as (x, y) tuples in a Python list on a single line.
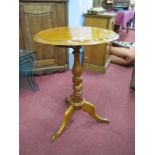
[(75, 38)]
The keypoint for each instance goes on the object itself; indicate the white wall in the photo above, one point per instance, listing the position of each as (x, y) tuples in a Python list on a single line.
[(132, 1), (76, 9)]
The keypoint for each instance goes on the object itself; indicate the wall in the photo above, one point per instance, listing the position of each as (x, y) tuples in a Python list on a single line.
[(132, 1), (76, 9)]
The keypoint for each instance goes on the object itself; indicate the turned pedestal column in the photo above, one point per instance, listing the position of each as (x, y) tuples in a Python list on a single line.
[(77, 100)]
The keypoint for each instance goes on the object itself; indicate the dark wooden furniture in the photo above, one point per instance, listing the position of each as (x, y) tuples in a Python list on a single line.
[(34, 16), (76, 38)]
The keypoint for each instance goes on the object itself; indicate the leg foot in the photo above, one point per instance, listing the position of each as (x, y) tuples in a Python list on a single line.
[(68, 114), (90, 108)]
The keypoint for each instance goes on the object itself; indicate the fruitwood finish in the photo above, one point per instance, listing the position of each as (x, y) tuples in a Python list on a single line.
[(75, 38), (36, 16), (97, 58)]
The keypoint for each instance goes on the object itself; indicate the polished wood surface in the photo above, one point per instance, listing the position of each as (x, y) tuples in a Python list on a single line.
[(36, 16), (77, 100), (99, 60), (75, 36)]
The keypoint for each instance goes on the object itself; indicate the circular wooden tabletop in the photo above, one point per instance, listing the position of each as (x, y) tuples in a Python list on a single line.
[(75, 36)]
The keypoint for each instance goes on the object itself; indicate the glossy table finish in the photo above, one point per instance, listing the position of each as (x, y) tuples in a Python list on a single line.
[(75, 37)]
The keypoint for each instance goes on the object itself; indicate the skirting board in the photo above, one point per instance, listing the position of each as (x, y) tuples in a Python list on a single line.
[(50, 69)]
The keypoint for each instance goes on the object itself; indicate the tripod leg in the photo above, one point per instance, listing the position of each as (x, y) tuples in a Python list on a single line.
[(90, 108), (67, 116)]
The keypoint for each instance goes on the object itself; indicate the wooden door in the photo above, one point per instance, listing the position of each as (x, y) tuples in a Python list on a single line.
[(36, 16)]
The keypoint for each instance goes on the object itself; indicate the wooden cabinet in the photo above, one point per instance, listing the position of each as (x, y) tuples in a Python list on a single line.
[(96, 58), (36, 16)]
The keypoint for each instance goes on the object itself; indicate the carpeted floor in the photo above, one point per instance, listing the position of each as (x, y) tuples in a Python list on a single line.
[(41, 113)]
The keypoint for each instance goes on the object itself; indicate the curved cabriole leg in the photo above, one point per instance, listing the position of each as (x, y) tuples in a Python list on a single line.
[(67, 116), (90, 108)]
